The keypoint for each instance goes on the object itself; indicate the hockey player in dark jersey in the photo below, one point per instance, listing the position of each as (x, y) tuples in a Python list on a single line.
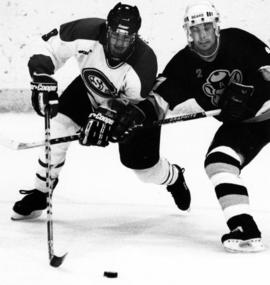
[(225, 69), (118, 71)]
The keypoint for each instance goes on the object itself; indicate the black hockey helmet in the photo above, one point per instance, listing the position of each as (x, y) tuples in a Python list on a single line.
[(124, 17)]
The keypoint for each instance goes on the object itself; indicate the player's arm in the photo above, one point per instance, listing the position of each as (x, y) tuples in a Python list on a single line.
[(265, 108), (52, 54), (260, 61), (112, 122), (172, 98), (43, 86), (172, 90), (139, 82), (234, 103), (57, 47)]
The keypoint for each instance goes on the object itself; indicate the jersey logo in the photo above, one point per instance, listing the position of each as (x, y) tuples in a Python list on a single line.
[(98, 83), (218, 80)]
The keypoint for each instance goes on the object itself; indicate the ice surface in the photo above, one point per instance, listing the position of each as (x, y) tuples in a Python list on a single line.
[(109, 221)]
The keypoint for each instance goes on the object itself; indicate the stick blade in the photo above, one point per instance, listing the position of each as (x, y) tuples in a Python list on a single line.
[(56, 261)]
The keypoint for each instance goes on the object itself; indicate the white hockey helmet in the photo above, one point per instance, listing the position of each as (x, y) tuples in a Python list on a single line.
[(200, 13)]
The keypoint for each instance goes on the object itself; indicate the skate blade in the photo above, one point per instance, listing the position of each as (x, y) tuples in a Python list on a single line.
[(32, 216), (247, 246)]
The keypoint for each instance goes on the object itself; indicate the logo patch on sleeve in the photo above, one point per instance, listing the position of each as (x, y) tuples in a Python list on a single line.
[(52, 33)]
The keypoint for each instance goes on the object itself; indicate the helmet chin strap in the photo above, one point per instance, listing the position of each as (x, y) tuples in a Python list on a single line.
[(208, 56)]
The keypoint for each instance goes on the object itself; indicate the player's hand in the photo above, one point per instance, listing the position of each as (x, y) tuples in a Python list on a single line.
[(98, 127), (233, 102), (128, 116), (44, 94)]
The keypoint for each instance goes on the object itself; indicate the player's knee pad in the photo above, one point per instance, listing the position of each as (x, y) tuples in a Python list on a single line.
[(222, 159), (155, 174)]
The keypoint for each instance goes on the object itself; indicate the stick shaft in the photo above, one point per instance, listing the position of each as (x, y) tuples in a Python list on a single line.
[(187, 117), (12, 144), (48, 183)]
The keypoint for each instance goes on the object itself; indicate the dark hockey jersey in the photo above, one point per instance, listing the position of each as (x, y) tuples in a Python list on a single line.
[(84, 40), (239, 58)]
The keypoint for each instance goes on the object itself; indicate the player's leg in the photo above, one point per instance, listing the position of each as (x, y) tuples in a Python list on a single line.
[(141, 153), (234, 147), (74, 107)]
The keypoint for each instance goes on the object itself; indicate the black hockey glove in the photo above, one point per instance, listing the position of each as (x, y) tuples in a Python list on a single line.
[(44, 94), (128, 116), (98, 128), (233, 102)]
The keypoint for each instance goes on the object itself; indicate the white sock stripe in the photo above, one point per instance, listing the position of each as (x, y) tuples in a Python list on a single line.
[(158, 174), (174, 172), (170, 174), (225, 177), (220, 167), (229, 151), (236, 210)]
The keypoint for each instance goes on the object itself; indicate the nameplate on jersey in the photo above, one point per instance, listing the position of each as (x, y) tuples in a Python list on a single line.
[(97, 82)]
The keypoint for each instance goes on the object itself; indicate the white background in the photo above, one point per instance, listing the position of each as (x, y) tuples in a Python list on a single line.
[(22, 22), (104, 217)]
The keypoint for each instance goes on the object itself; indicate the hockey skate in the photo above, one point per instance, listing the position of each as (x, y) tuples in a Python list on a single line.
[(30, 206), (180, 191), (240, 240)]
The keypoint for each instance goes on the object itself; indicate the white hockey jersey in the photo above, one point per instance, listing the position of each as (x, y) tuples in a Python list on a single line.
[(84, 39)]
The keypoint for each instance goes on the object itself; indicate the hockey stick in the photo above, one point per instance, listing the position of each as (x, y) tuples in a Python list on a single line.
[(12, 144), (55, 261), (187, 117), (16, 145)]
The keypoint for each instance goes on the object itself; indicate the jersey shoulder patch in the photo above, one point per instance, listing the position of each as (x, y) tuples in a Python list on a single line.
[(47, 36)]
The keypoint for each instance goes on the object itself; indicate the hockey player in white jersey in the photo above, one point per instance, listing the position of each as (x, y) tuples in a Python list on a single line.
[(117, 72)]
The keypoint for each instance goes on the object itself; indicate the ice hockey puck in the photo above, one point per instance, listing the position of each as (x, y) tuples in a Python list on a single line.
[(110, 274)]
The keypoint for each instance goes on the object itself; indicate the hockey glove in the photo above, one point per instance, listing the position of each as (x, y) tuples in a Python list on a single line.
[(98, 127), (233, 102), (128, 116), (44, 94)]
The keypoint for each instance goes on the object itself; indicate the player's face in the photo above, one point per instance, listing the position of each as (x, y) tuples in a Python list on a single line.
[(204, 37), (119, 43)]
